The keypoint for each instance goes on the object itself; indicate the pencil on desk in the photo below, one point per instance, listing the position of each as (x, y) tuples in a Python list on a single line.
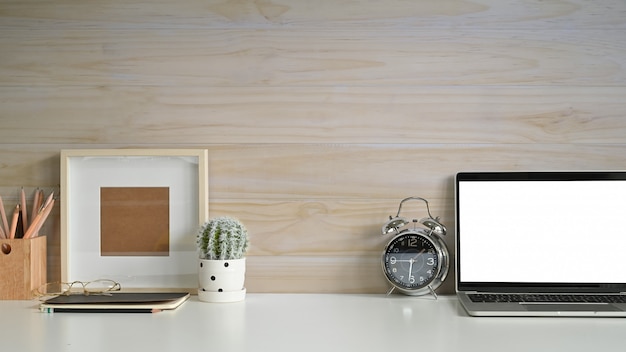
[(16, 215)]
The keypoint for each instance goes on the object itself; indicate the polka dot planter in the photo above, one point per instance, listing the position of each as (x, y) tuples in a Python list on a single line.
[(221, 280)]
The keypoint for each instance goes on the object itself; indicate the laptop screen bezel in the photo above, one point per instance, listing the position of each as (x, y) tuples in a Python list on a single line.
[(504, 287)]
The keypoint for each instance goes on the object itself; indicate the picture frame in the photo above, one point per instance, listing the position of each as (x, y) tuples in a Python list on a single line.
[(145, 206)]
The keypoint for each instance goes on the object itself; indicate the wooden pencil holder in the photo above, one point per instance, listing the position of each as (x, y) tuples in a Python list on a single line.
[(22, 267)]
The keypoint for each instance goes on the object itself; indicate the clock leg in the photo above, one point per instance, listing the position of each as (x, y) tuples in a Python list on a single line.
[(432, 291)]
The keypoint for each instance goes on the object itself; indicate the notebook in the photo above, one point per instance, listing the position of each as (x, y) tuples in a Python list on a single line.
[(115, 302), (541, 243)]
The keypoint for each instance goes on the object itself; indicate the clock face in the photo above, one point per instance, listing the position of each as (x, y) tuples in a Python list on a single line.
[(410, 261)]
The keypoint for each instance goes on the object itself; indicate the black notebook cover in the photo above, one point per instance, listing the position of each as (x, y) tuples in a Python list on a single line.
[(130, 302)]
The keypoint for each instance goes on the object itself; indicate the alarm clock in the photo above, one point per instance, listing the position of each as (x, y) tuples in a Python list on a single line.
[(415, 261)]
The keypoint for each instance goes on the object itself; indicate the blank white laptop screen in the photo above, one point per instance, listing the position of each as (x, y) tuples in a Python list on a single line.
[(542, 231)]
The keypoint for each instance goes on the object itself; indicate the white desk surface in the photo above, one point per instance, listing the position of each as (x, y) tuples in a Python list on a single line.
[(303, 322)]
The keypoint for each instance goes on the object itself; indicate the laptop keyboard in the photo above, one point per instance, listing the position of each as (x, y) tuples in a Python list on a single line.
[(548, 298)]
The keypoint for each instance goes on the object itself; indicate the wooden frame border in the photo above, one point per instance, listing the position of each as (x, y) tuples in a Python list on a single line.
[(154, 282)]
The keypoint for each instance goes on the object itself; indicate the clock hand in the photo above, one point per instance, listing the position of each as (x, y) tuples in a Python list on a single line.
[(420, 252), (412, 260), (403, 260)]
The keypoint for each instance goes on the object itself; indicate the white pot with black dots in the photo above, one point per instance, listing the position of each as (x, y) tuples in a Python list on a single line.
[(222, 243), (222, 280)]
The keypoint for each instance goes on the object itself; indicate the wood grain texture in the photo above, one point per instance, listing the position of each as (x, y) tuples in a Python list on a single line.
[(244, 57), (22, 267), (212, 115), (319, 117), (333, 171), (296, 14)]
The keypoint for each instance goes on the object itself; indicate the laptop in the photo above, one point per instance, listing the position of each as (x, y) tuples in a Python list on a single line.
[(541, 243)]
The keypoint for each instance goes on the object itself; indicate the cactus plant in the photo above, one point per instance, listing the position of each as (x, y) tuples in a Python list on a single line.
[(222, 238)]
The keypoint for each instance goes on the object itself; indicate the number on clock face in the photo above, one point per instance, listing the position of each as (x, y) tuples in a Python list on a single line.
[(410, 261)]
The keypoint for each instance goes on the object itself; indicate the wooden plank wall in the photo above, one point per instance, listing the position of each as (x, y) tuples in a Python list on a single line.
[(319, 116)]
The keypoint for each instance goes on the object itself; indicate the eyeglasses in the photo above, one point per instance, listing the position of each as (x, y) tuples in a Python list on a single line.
[(96, 287)]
